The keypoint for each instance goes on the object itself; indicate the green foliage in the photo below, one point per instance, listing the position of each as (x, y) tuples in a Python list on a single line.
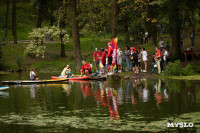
[(37, 46), (54, 56), (56, 32), (175, 69), (189, 70), (20, 61)]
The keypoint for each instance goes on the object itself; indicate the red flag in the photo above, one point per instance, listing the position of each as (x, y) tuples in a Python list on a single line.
[(114, 55), (113, 43)]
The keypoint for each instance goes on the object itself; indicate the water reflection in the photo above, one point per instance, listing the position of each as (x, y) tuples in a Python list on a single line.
[(4, 94), (134, 101)]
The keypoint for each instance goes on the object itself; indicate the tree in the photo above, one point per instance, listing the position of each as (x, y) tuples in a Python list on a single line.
[(7, 12), (113, 19), (149, 15), (75, 35), (14, 27), (174, 9), (36, 48), (62, 35), (126, 16)]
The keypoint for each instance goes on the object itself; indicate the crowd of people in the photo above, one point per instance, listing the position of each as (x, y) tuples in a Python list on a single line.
[(135, 60)]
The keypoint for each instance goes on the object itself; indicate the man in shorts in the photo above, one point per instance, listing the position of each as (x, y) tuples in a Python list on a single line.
[(110, 52), (96, 57), (134, 60), (119, 60), (103, 61)]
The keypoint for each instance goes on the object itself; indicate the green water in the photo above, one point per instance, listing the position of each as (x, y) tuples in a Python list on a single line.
[(93, 106)]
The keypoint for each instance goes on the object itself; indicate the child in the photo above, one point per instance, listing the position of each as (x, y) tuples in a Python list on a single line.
[(144, 58), (33, 74)]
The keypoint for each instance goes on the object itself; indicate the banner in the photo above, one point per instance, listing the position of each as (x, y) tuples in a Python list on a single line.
[(114, 55)]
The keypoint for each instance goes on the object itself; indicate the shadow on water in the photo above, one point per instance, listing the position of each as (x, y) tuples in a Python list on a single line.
[(93, 106)]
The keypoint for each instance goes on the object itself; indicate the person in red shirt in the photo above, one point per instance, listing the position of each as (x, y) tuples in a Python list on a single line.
[(103, 61), (158, 59), (86, 69), (96, 56), (110, 52)]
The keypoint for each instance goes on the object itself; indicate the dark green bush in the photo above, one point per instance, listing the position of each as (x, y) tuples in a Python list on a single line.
[(20, 61), (175, 69), (189, 70), (54, 57)]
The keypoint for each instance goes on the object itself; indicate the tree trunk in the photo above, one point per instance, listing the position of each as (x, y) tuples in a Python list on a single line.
[(114, 19), (52, 17), (75, 35), (7, 12), (39, 19), (14, 22), (175, 30), (153, 33), (127, 36), (62, 50)]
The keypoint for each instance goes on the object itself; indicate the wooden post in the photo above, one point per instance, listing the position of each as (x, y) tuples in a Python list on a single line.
[(113, 77)]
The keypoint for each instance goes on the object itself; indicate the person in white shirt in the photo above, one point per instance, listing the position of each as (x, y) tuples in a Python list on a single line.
[(144, 58), (119, 60), (161, 44), (33, 74), (165, 57)]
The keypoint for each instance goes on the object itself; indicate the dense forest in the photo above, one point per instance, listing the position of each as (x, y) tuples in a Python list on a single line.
[(130, 18)]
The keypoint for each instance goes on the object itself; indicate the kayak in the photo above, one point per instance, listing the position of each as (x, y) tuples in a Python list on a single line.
[(74, 78), (34, 81), (3, 88)]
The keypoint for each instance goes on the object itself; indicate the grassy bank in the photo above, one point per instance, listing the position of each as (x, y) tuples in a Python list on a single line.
[(49, 64), (192, 77)]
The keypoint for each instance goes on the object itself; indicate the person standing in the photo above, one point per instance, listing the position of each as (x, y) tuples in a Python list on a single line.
[(165, 57), (126, 57), (167, 46), (96, 57), (144, 58), (119, 60), (158, 59), (110, 52), (146, 35), (153, 64), (103, 61), (161, 44), (192, 37), (134, 60), (139, 60)]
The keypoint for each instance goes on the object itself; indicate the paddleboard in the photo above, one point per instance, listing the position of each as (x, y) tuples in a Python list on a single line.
[(3, 88), (74, 78), (34, 81)]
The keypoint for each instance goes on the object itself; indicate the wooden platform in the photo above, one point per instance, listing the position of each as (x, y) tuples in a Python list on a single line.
[(98, 78)]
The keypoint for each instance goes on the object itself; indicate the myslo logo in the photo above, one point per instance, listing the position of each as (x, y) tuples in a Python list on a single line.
[(179, 124)]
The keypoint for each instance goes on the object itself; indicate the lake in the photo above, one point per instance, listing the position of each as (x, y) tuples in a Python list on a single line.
[(100, 106)]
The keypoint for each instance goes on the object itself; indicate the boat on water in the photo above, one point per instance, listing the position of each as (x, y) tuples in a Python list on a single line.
[(35, 81), (3, 88), (73, 78)]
